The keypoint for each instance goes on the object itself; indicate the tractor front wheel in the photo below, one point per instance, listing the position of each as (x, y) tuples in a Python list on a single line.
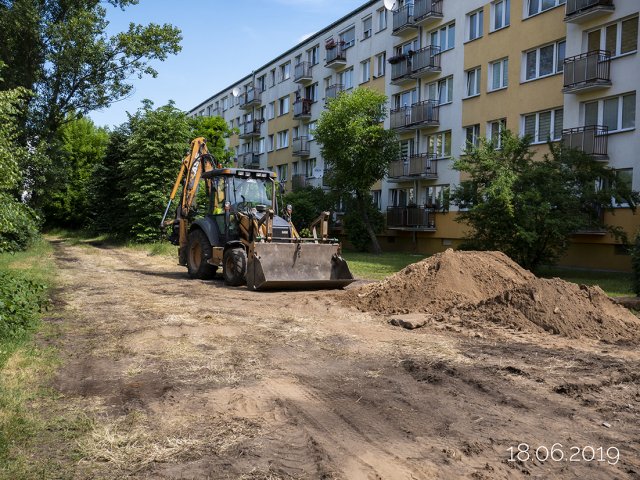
[(235, 267)]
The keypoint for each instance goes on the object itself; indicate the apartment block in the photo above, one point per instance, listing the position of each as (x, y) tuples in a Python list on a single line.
[(454, 71)]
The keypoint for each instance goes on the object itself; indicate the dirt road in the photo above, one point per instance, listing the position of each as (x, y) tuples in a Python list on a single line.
[(189, 379)]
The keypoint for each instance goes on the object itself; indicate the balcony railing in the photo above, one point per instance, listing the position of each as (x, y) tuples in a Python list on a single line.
[(582, 10), (400, 68), (421, 165), (411, 218), (333, 91), (302, 108), (249, 160), (301, 147), (425, 10), (298, 181), (587, 71), (593, 217), (592, 139), (426, 61), (251, 98), (251, 129), (302, 72), (336, 55), (403, 18), (421, 114)]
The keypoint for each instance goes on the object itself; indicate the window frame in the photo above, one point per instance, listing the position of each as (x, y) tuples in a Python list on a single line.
[(501, 123), (381, 65), (477, 72), (504, 74), (436, 87), (365, 71), (475, 19), (527, 7), (505, 18), (620, 111), (554, 136), (382, 20), (438, 32), (284, 101), (603, 36), (282, 134), (475, 136), (558, 66), (441, 144), (365, 35)]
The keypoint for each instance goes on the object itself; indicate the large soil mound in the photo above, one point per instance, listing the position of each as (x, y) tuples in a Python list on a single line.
[(488, 286)]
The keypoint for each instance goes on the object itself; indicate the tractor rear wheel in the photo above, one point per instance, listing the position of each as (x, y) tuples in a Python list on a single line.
[(198, 252), (235, 267)]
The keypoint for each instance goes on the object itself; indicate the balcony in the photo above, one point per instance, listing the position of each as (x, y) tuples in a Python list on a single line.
[(403, 19), (400, 69), (302, 108), (333, 91), (417, 166), (249, 160), (421, 218), (303, 73), (591, 139), (593, 216), (426, 62), (298, 181), (588, 71), (251, 98), (301, 147), (579, 11), (419, 115), (336, 55), (426, 12), (251, 129)]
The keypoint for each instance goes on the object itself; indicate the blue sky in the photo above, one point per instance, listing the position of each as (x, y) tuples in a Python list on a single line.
[(222, 42)]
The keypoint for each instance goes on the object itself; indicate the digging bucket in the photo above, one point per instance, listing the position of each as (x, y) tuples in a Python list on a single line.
[(297, 266)]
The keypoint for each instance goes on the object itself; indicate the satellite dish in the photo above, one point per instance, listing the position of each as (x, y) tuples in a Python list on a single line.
[(318, 172), (235, 92), (390, 4)]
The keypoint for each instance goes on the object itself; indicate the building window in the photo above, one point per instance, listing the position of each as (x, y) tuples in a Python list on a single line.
[(405, 99), (313, 55), (494, 132), (272, 77), (309, 165), (346, 78), (407, 47), (225, 103), (261, 145), (282, 139), (382, 19), (365, 68), (544, 61), (439, 144), (473, 82), (311, 92), (472, 136), (544, 126), (618, 38), (499, 74), (376, 198), (474, 24), (348, 38), (285, 71), (270, 143), (282, 172), (311, 130), (261, 83), (271, 111), (445, 37), (367, 27), (381, 61), (441, 91), (537, 6), (616, 113), (283, 105), (500, 14)]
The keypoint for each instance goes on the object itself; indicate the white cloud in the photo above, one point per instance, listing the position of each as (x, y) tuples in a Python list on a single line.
[(305, 36)]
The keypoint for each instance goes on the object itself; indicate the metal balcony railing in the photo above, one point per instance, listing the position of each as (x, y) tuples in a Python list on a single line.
[(301, 146), (336, 54), (411, 217), (592, 139), (579, 8), (425, 9), (416, 165), (302, 72), (250, 129), (251, 98), (333, 91), (426, 60), (400, 68), (302, 108), (415, 116), (403, 18), (587, 70), (249, 160)]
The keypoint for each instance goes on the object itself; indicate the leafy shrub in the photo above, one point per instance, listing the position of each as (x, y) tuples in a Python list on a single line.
[(356, 228), (18, 225), (21, 300), (635, 264)]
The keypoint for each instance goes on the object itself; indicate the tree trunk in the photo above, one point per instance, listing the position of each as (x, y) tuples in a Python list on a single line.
[(363, 207)]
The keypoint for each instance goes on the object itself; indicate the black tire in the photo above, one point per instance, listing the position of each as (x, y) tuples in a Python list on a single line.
[(198, 252), (234, 268)]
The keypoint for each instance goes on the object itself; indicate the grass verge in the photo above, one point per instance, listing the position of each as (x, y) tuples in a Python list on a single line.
[(377, 267), (615, 284)]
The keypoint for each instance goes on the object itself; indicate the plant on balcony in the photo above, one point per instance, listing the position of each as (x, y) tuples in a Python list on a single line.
[(357, 148), (529, 208)]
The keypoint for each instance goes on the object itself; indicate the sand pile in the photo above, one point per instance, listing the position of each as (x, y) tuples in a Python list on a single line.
[(490, 287)]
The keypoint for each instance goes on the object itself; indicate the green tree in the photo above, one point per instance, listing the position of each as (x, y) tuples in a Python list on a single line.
[(529, 208), (18, 223), (214, 130), (82, 148), (357, 148), (158, 142), (307, 203)]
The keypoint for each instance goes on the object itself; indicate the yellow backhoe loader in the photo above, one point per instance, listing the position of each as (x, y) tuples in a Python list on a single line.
[(242, 234)]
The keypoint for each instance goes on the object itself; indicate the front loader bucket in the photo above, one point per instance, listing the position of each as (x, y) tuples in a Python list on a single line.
[(297, 266)]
